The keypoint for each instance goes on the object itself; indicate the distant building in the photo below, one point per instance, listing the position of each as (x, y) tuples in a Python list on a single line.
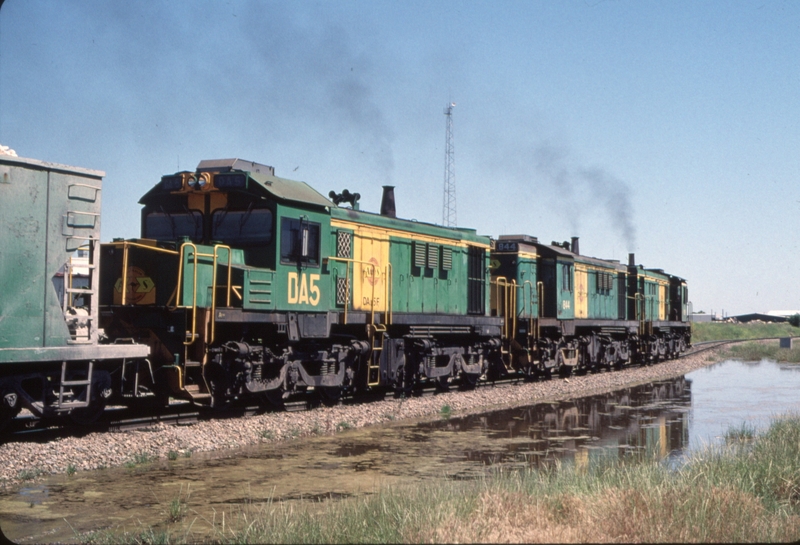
[(701, 317), (744, 318)]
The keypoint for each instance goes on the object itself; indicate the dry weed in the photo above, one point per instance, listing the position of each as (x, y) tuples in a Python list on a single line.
[(681, 514)]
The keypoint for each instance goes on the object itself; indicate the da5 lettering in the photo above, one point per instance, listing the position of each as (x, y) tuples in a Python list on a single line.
[(303, 289)]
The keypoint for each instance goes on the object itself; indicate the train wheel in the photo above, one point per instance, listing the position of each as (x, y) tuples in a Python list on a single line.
[(274, 398), (443, 384), (9, 408), (219, 400), (5, 419), (469, 380), (330, 396), (88, 415), (6, 416), (529, 372)]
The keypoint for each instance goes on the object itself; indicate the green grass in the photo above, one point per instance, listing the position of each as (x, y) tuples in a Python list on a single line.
[(142, 458), (755, 351), (713, 331), (29, 474), (744, 433), (750, 351), (343, 425), (746, 490), (177, 507)]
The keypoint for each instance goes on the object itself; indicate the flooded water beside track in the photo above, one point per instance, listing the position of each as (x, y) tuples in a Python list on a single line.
[(666, 418)]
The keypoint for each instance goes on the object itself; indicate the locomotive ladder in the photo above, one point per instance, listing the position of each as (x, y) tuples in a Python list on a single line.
[(74, 404), (89, 293), (377, 335)]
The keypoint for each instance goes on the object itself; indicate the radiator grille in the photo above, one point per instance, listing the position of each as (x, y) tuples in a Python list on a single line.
[(419, 254), (433, 256), (447, 259), (344, 244), (342, 291)]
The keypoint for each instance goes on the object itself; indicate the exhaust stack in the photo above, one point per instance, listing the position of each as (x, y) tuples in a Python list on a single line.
[(575, 246), (631, 260), (387, 202)]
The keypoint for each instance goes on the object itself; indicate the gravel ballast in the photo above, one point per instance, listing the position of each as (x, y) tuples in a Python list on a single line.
[(22, 460)]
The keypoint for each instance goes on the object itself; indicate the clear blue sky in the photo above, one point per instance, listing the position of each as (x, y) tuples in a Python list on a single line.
[(665, 128)]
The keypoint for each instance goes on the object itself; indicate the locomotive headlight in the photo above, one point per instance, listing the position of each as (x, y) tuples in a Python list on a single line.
[(192, 182), (203, 181)]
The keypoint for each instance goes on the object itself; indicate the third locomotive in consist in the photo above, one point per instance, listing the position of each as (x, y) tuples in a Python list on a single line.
[(247, 284)]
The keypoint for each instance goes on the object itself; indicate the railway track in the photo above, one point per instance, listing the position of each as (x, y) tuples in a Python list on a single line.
[(183, 413)]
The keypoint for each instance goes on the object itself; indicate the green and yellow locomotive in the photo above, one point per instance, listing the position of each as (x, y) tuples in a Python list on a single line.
[(245, 283)]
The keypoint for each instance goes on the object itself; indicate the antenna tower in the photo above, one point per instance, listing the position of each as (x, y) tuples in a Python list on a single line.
[(449, 208)]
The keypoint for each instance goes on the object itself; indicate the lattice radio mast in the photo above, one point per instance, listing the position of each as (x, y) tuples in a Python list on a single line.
[(449, 208)]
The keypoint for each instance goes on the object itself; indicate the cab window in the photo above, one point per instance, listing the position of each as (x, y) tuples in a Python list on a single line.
[(300, 241), (242, 228), (566, 278), (174, 225)]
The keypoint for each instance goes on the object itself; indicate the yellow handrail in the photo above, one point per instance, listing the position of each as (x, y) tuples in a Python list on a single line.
[(389, 294), (215, 259), (214, 287), (509, 298), (194, 291), (540, 293)]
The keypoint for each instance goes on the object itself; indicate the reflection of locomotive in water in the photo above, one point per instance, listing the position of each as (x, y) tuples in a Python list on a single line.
[(245, 284), (650, 419)]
